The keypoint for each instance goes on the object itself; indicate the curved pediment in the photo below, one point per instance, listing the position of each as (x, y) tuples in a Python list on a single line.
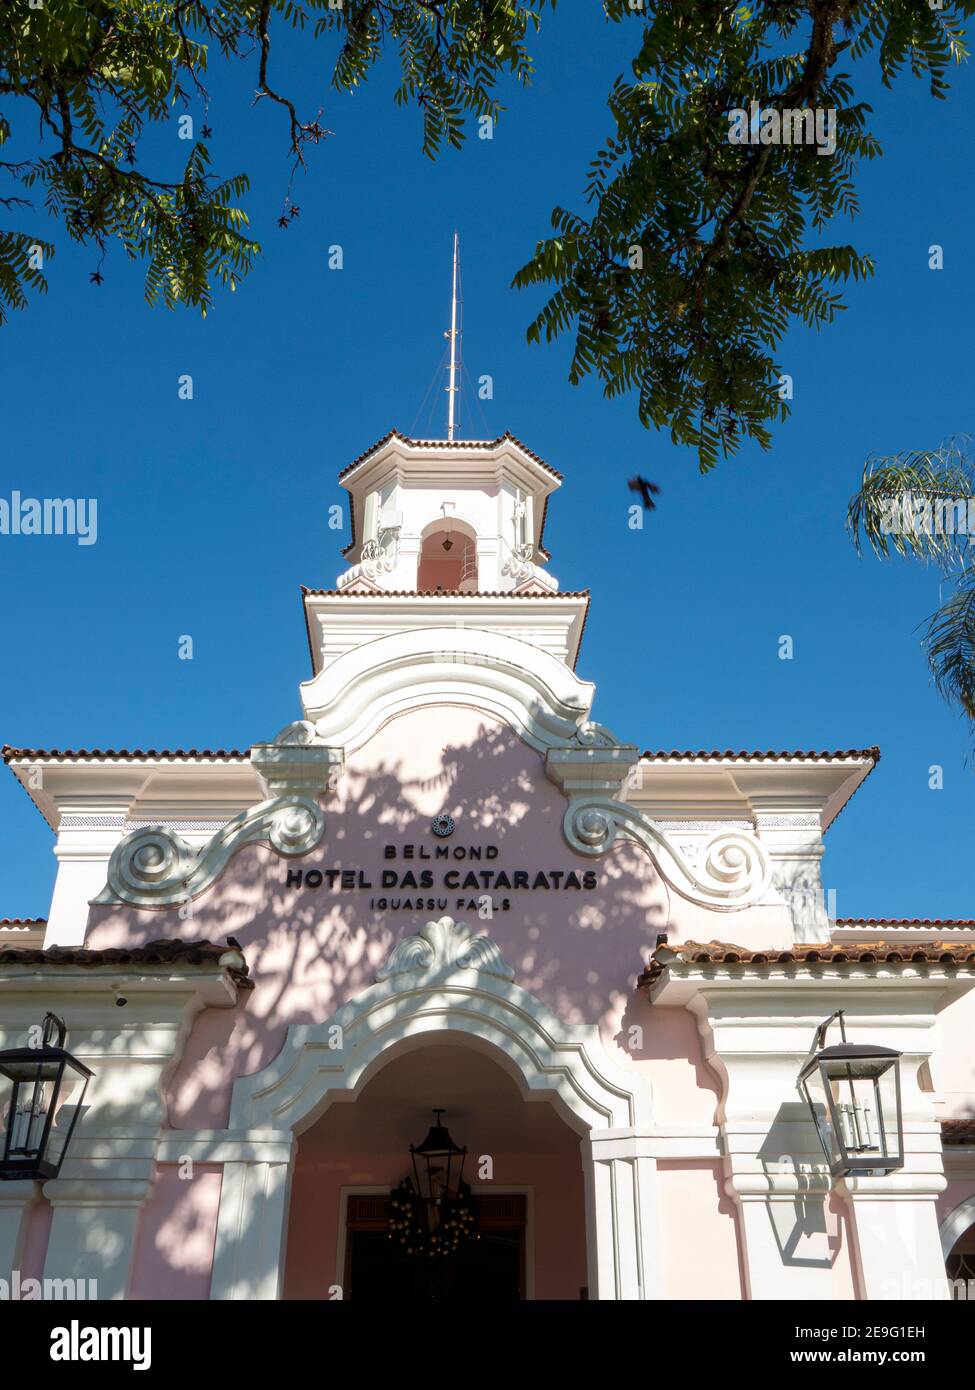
[(528, 689)]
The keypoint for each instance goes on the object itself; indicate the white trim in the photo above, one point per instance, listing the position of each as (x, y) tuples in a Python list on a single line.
[(546, 1057), (341, 621), (685, 1141), (511, 680)]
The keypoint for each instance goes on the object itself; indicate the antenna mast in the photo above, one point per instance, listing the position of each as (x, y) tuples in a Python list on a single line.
[(452, 387)]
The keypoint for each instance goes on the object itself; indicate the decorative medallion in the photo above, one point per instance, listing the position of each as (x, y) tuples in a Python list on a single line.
[(442, 947), (443, 826)]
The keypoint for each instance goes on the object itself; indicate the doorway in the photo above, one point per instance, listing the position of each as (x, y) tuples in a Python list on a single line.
[(523, 1167), (490, 1267)]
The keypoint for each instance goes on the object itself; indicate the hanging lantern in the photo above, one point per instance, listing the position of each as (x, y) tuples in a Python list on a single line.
[(440, 1170), (853, 1092), (46, 1095), (433, 1213)]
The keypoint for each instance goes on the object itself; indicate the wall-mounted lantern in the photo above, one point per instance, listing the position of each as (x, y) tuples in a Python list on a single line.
[(47, 1091), (853, 1092)]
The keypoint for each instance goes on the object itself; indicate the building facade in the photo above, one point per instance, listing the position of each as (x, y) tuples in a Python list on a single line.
[(445, 886)]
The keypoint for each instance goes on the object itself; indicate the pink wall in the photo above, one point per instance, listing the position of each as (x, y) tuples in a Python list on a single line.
[(310, 949), (685, 1089), (579, 950), (698, 1232), (38, 1232), (177, 1229), (839, 1229)]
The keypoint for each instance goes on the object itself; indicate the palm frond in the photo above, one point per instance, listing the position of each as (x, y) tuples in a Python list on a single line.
[(950, 644), (917, 503)]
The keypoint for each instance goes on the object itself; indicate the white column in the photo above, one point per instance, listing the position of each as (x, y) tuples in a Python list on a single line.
[(774, 1164), (622, 1217), (16, 1200), (489, 555), (782, 1224), (407, 569), (895, 1225), (252, 1229), (93, 1231), (87, 834), (794, 841)]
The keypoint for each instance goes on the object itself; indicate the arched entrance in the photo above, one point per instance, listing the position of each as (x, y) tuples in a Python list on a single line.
[(958, 1245), (447, 987), (523, 1166)]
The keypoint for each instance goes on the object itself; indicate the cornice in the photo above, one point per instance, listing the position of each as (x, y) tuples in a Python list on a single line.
[(681, 983), (164, 784), (777, 791), (449, 450), (373, 614)]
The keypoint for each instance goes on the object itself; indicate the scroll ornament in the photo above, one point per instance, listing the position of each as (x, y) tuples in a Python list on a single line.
[(155, 867), (731, 870)]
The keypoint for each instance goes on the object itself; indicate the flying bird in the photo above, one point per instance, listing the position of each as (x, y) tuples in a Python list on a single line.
[(644, 488)]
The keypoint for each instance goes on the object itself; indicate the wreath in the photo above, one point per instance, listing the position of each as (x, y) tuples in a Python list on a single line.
[(430, 1228)]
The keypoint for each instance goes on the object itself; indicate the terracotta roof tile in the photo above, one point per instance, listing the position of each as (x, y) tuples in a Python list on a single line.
[(721, 953), (918, 922), (373, 448), (958, 1131), (25, 923), (757, 754), (438, 593), (449, 444), (218, 754), (163, 952)]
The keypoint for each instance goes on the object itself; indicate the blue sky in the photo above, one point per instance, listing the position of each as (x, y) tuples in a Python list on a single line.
[(211, 512)]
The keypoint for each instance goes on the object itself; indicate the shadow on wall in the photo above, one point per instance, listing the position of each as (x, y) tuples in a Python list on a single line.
[(311, 949), (806, 1230)]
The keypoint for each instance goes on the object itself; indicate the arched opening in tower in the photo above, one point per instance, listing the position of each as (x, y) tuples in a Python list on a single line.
[(448, 559)]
